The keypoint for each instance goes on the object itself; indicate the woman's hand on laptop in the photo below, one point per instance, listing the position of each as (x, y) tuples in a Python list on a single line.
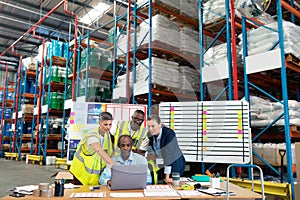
[(168, 179)]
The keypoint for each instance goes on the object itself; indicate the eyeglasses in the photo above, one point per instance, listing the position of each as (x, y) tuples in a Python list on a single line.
[(124, 145), (137, 119)]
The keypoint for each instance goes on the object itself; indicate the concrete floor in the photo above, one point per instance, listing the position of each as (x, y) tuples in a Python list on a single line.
[(18, 173)]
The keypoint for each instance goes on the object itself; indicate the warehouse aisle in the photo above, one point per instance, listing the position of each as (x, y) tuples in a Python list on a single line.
[(16, 173)]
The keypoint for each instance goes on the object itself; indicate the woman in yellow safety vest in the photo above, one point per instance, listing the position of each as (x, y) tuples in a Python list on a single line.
[(93, 152)]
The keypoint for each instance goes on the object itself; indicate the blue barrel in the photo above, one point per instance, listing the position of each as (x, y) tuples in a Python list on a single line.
[(29, 129), (9, 96), (66, 50), (1, 95), (7, 114), (7, 131), (33, 87)]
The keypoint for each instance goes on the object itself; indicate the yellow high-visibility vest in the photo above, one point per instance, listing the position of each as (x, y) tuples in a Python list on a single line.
[(87, 165), (137, 137)]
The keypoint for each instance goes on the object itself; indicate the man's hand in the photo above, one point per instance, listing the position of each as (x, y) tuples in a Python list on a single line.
[(109, 183), (151, 157)]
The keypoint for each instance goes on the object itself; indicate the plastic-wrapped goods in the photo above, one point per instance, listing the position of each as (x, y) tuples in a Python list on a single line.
[(189, 41), (160, 21), (218, 54), (98, 58), (263, 112), (194, 34), (164, 73), (165, 35), (258, 148), (266, 37), (213, 10), (122, 44), (190, 78), (168, 39), (189, 8)]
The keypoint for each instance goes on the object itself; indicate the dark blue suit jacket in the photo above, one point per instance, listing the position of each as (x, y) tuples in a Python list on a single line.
[(170, 150)]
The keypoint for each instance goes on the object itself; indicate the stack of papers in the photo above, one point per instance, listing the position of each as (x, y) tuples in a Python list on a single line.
[(189, 193), (160, 191), (88, 194)]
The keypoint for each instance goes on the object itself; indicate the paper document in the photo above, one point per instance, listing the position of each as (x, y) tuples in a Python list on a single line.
[(88, 195), (126, 194), (184, 193), (160, 191)]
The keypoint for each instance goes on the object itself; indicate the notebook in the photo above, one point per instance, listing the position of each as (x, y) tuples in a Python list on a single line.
[(126, 177)]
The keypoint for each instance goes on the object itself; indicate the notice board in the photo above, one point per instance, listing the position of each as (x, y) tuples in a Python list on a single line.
[(210, 131)]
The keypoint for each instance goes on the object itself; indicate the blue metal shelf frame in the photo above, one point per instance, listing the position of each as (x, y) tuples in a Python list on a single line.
[(284, 100), (67, 88), (17, 94), (19, 125), (33, 124), (135, 50), (3, 121), (201, 58)]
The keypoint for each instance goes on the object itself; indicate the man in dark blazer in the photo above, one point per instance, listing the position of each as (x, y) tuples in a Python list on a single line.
[(164, 149)]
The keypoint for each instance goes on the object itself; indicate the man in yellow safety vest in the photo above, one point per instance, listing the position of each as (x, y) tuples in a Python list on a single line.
[(135, 129), (93, 152)]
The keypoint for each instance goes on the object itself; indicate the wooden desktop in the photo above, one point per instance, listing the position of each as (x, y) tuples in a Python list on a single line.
[(241, 193)]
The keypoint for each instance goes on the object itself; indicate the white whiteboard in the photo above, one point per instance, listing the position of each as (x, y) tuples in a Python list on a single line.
[(210, 131)]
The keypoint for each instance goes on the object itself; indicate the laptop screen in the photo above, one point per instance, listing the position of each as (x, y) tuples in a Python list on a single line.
[(126, 177)]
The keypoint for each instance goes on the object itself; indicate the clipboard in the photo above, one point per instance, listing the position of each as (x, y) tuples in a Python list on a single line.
[(215, 192)]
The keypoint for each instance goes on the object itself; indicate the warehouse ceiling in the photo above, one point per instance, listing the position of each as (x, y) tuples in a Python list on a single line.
[(17, 16)]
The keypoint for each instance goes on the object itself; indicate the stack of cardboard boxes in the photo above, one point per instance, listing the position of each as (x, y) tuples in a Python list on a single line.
[(297, 186)]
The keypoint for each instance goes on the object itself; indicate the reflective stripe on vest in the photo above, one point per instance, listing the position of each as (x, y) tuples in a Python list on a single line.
[(123, 129), (88, 167)]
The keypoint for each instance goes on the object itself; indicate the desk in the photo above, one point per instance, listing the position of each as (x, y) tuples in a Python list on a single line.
[(241, 193)]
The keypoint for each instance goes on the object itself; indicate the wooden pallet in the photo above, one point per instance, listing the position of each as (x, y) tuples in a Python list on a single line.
[(57, 60), (291, 58), (215, 26), (165, 88), (294, 128)]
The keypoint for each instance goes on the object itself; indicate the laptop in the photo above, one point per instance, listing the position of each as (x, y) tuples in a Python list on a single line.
[(127, 177)]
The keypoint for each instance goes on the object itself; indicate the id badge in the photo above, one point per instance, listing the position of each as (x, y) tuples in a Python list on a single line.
[(159, 161)]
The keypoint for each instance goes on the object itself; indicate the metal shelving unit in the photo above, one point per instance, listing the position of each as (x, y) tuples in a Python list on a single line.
[(284, 66), (5, 103)]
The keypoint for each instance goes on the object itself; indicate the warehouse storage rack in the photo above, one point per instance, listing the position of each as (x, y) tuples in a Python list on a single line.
[(136, 51), (284, 66), (52, 98), (232, 75), (37, 123), (248, 84), (6, 108), (27, 87)]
